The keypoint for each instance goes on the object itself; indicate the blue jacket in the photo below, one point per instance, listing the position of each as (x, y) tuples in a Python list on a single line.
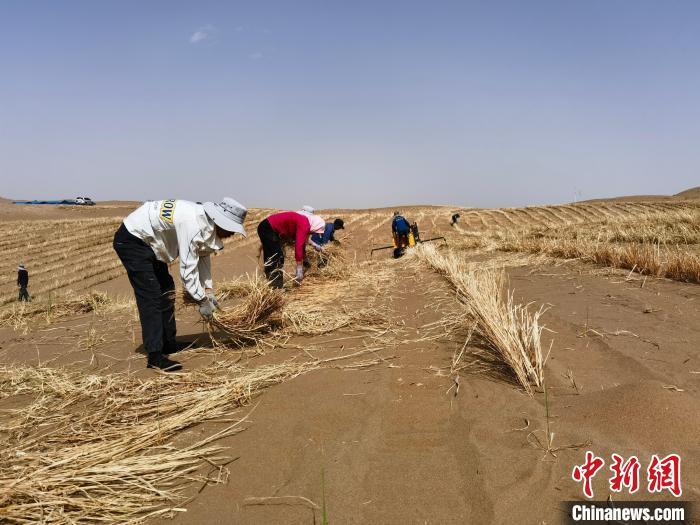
[(327, 235), (400, 225)]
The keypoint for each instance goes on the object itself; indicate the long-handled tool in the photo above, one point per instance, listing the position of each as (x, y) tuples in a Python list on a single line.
[(392, 246)]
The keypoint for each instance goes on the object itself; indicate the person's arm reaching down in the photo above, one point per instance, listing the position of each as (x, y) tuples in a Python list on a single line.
[(189, 261), (303, 229), (206, 280), (302, 232), (204, 268)]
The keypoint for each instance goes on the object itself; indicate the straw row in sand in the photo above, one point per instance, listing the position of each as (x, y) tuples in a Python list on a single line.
[(680, 226), (18, 315), (506, 333), (660, 243), (644, 258)]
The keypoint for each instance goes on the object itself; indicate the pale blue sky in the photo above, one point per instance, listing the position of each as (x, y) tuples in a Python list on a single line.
[(349, 104)]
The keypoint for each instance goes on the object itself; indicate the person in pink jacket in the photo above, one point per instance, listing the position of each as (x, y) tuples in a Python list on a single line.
[(285, 227)]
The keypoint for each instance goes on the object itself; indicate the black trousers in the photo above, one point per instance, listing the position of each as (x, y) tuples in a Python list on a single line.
[(23, 294), (154, 289), (273, 254)]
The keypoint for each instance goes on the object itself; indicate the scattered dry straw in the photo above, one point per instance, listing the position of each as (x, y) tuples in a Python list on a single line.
[(83, 448), (323, 303), (99, 449), (18, 315)]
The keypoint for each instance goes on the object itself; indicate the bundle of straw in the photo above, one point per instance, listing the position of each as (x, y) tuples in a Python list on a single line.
[(235, 288), (258, 314)]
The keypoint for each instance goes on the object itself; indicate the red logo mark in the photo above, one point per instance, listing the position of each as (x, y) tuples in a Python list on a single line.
[(586, 472), (625, 474), (665, 474)]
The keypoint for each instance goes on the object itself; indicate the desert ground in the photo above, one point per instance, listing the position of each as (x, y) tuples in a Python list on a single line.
[(378, 391)]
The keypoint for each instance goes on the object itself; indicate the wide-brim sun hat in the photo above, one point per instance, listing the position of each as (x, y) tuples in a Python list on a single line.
[(228, 215)]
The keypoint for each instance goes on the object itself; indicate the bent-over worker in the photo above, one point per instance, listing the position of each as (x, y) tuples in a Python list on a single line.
[(328, 232), (321, 239), (156, 234), (286, 226), (400, 228)]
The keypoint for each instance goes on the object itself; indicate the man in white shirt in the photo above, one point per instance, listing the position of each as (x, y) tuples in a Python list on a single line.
[(156, 234)]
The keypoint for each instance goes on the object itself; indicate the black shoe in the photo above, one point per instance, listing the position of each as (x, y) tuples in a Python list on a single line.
[(158, 360), (178, 346)]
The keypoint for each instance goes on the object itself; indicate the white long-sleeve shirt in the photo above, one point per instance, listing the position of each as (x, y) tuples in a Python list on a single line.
[(175, 228)]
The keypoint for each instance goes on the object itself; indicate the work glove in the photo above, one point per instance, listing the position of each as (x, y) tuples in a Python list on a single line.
[(213, 300), (206, 309), (300, 273), (317, 247)]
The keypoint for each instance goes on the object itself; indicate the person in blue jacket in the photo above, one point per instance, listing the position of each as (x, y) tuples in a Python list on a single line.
[(328, 232), (400, 225), (320, 239), (400, 228)]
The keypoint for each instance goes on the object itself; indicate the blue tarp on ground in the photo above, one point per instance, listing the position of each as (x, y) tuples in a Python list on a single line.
[(65, 201)]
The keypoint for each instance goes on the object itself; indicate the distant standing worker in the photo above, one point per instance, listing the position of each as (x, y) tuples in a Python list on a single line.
[(156, 234), (287, 226), (23, 282)]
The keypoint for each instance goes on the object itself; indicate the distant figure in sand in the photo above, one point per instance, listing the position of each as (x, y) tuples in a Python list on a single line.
[(23, 282), (455, 218), (287, 227), (156, 234)]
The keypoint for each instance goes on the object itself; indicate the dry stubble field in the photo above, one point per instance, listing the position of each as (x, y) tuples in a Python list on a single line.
[(380, 391)]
